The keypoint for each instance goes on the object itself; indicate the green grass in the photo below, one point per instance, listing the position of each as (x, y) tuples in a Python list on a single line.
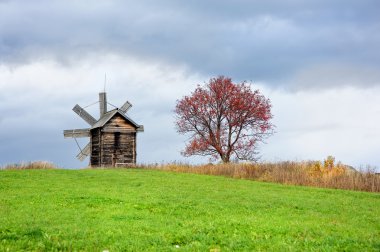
[(133, 210)]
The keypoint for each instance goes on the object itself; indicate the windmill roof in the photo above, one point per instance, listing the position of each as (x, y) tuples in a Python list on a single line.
[(107, 116)]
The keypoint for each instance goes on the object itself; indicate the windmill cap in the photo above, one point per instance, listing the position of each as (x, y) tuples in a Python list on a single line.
[(107, 116)]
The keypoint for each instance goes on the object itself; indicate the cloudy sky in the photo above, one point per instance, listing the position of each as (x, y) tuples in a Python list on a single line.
[(318, 62)]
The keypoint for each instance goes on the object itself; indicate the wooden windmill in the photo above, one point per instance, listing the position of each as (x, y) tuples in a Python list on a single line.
[(112, 137)]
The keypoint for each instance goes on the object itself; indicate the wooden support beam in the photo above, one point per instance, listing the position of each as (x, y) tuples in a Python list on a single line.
[(84, 115), (140, 128), (115, 129), (76, 133)]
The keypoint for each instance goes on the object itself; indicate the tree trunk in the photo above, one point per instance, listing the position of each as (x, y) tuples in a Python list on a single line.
[(225, 158)]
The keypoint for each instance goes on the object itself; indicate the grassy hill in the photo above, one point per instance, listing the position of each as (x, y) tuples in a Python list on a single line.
[(122, 209)]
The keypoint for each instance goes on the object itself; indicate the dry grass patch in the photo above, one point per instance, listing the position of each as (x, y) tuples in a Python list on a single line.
[(324, 174), (29, 165)]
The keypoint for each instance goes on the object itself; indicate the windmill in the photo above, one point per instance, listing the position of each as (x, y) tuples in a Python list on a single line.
[(112, 137)]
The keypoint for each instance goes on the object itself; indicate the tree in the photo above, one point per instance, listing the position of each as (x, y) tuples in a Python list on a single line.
[(224, 120)]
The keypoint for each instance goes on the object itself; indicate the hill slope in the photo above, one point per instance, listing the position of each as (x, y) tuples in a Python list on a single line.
[(141, 210)]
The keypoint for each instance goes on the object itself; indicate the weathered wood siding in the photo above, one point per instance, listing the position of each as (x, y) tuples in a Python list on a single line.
[(95, 147), (118, 122), (118, 148), (114, 143)]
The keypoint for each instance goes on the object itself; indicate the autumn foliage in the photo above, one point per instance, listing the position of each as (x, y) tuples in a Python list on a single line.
[(224, 120)]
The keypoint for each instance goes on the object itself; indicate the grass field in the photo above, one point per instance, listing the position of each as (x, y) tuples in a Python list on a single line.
[(149, 210)]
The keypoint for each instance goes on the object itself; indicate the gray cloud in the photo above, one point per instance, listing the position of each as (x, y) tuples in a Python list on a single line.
[(335, 76), (251, 40), (36, 101), (53, 54)]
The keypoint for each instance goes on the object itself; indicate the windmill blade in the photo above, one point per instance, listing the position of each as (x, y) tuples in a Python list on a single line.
[(126, 106), (86, 151), (76, 133), (84, 115)]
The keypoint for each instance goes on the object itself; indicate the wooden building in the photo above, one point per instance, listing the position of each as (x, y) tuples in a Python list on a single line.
[(112, 137), (113, 140)]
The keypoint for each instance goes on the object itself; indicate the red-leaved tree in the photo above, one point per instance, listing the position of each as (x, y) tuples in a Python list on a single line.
[(224, 120)]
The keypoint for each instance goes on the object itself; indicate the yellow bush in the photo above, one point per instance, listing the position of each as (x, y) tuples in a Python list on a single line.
[(316, 169), (329, 162)]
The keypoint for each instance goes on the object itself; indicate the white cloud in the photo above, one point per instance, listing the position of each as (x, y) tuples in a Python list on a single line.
[(339, 122), (37, 98), (54, 54)]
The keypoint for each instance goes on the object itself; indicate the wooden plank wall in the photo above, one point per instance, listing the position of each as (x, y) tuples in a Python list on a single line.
[(118, 148), (119, 122), (114, 143), (95, 147)]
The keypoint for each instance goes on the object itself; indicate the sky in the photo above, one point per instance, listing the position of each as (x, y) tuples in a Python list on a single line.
[(317, 61)]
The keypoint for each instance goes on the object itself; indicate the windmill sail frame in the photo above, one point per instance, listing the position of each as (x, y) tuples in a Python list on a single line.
[(112, 137)]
